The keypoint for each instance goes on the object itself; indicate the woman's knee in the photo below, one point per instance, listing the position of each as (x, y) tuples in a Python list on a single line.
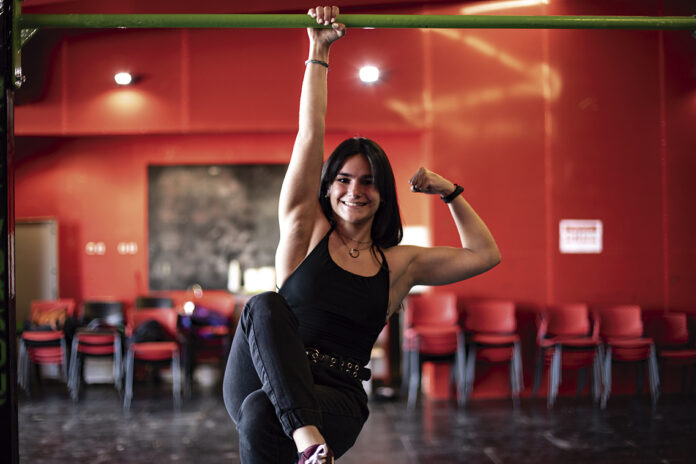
[(261, 438), (256, 419), (265, 307)]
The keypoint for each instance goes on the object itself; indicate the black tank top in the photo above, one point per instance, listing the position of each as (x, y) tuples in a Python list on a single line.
[(339, 312)]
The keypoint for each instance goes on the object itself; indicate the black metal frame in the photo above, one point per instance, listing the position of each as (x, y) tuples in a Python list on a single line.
[(8, 344)]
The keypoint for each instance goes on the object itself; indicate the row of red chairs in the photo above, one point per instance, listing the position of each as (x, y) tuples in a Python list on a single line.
[(105, 324), (570, 336)]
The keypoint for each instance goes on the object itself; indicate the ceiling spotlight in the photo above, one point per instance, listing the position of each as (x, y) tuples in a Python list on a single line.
[(369, 74), (123, 78)]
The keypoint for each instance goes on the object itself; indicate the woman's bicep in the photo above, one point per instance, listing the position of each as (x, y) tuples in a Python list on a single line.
[(298, 193), (446, 265)]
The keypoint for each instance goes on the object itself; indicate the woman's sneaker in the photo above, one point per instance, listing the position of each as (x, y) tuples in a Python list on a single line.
[(317, 454)]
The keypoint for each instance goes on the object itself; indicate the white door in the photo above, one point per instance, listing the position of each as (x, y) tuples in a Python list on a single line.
[(36, 263)]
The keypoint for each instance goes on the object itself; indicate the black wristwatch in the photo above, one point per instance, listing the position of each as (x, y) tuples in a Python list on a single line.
[(458, 189)]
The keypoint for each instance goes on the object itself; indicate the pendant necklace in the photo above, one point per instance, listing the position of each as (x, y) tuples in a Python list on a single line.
[(353, 252)]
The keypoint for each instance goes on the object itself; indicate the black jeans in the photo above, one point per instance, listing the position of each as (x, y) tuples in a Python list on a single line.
[(271, 389)]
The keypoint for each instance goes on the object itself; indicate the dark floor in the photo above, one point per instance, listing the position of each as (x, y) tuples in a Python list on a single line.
[(52, 429)]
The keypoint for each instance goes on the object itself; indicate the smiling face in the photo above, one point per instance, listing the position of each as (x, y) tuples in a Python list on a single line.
[(353, 195)]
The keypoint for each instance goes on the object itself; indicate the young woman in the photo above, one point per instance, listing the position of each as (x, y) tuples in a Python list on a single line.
[(293, 379)]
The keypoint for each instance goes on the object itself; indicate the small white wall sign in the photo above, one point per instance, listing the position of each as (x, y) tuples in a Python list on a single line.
[(580, 236)]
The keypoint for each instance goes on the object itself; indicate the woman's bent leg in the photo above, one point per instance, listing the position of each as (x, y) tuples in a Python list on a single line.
[(267, 352), (261, 437), (240, 377)]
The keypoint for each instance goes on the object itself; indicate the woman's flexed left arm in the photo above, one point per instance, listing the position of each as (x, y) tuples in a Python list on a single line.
[(444, 265)]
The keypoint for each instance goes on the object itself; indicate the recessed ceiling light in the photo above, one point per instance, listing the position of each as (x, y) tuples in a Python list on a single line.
[(123, 78), (369, 74)]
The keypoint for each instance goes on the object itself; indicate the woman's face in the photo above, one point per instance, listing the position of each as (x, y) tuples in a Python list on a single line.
[(353, 194)]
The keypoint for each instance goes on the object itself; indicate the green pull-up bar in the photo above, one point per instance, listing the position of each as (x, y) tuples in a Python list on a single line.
[(26, 24), (32, 21)]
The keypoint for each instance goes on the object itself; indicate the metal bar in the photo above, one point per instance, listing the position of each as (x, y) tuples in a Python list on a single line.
[(28, 21), (26, 35), (8, 338)]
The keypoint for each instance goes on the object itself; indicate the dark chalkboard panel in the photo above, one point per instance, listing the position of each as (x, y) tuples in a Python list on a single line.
[(202, 217)]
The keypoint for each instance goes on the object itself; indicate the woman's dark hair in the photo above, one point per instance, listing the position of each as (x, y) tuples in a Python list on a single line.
[(386, 227)]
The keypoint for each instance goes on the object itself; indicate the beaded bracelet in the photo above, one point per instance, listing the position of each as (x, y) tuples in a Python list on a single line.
[(458, 189), (323, 63)]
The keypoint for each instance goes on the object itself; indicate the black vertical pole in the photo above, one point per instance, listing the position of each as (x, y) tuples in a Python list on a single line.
[(8, 346)]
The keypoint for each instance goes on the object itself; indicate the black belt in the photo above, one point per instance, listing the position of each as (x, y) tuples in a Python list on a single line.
[(347, 366)]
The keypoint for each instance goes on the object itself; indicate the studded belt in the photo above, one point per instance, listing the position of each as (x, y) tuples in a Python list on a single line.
[(347, 366)]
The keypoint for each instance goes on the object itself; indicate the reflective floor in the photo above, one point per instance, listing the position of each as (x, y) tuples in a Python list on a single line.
[(53, 429)]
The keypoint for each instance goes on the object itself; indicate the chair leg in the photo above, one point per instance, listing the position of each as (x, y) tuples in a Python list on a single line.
[(518, 368), (470, 371), (176, 380), (129, 380), (189, 366), (515, 372), (72, 367), (460, 360), (596, 376), (405, 370), (75, 377), (22, 368), (654, 376), (414, 377), (554, 375), (607, 377), (118, 364)]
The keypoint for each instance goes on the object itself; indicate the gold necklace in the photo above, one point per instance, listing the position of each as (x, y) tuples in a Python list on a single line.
[(353, 252)]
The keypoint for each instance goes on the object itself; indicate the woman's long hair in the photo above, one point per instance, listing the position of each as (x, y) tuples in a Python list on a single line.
[(386, 227)]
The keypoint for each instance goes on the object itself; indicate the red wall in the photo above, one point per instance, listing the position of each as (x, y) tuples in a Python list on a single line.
[(97, 188), (537, 125)]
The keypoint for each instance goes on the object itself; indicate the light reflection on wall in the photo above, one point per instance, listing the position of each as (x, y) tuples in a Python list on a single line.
[(536, 80), (502, 5), (125, 101)]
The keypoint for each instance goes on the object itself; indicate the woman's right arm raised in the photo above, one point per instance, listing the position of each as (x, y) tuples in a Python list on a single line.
[(298, 208)]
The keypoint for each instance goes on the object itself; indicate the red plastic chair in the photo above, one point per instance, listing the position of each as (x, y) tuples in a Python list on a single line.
[(44, 342), (489, 328), (622, 332), (158, 352), (567, 338), (432, 334), (671, 334), (99, 338)]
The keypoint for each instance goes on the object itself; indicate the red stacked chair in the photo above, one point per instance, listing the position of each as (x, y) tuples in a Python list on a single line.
[(432, 334), (157, 352), (44, 342), (490, 330), (674, 348), (567, 338), (99, 337), (622, 332)]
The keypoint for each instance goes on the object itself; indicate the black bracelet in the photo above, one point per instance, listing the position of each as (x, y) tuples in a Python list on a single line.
[(323, 63), (458, 189)]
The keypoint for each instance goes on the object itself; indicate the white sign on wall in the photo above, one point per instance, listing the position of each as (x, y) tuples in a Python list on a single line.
[(580, 236)]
